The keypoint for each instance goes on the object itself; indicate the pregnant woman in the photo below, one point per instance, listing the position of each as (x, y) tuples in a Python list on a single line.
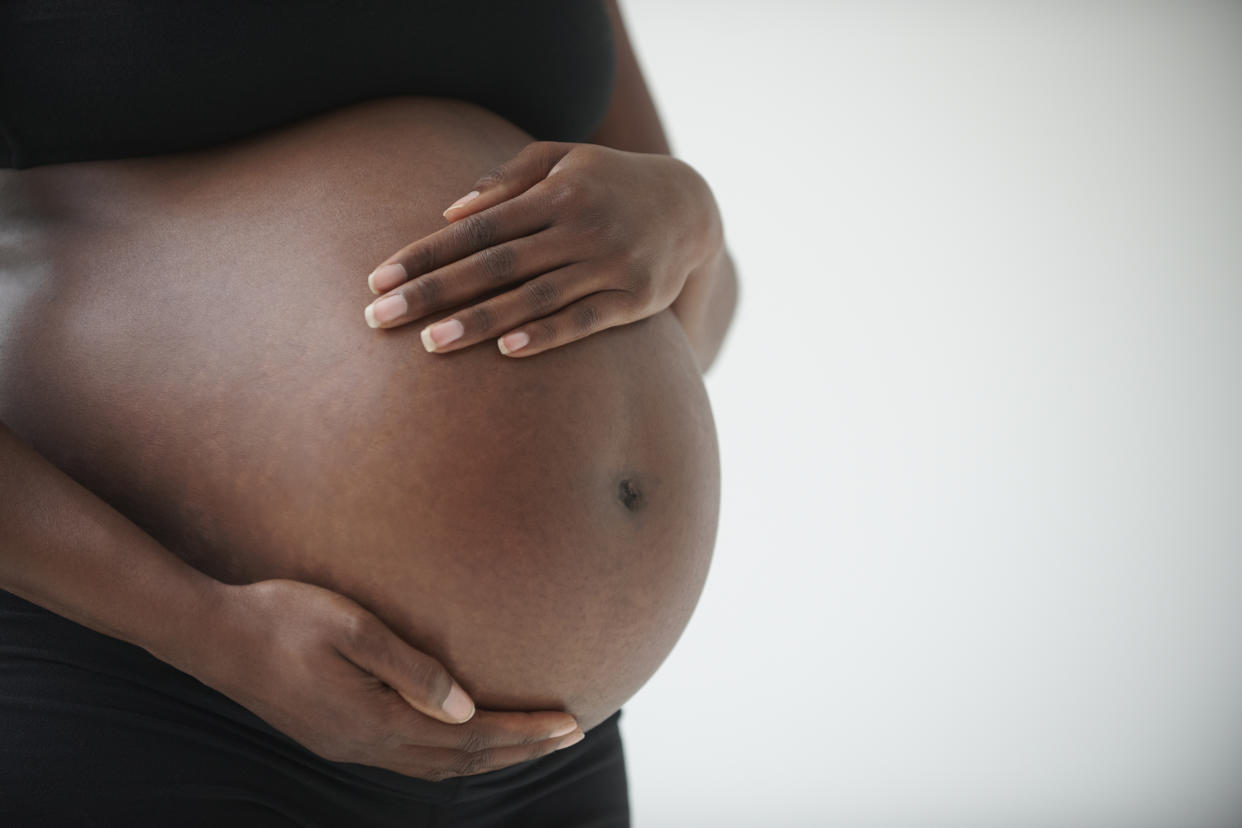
[(321, 504)]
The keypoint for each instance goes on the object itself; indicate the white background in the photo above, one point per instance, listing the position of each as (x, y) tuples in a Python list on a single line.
[(980, 553)]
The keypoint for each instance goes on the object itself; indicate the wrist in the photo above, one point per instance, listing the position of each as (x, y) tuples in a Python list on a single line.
[(191, 637)]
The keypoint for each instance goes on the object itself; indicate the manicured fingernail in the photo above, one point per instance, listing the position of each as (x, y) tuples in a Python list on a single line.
[(563, 729), (441, 333), (468, 197), (572, 740), (387, 277), (385, 310), (458, 705), (511, 342)]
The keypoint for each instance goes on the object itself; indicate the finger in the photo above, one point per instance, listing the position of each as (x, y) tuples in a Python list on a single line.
[(509, 220), (417, 677), (506, 180), (442, 763), (531, 300), (604, 309), (471, 277), (487, 729)]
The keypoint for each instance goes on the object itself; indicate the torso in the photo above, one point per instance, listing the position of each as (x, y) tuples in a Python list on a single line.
[(183, 334)]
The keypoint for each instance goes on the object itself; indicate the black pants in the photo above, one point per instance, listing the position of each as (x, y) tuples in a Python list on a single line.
[(97, 732)]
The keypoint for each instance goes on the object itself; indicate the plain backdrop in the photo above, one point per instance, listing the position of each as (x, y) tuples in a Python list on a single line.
[(980, 413)]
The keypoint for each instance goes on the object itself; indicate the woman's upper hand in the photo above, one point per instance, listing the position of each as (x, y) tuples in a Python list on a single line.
[(575, 237), (326, 672)]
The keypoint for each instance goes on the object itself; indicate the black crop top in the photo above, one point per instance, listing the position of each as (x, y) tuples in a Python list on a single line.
[(93, 79)]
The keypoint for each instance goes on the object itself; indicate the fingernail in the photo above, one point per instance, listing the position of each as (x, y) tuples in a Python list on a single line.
[(385, 310), (511, 342), (458, 705), (561, 731), (442, 333), (386, 277), (468, 197), (572, 740)]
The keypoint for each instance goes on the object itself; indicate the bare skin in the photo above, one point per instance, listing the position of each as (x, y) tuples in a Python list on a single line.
[(181, 336), (542, 526)]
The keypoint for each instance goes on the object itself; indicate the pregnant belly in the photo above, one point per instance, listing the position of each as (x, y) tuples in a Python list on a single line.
[(184, 336)]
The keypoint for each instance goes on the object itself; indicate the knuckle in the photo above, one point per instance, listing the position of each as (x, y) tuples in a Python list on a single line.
[(496, 175), (498, 263), (630, 266), (586, 317), (542, 294), (428, 290), (642, 293), (636, 278), (563, 194), (426, 673), (480, 319), (478, 230), (357, 630), (471, 763), (421, 260), (544, 153), (472, 741)]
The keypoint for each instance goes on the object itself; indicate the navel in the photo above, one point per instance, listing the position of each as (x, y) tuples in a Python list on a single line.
[(628, 492)]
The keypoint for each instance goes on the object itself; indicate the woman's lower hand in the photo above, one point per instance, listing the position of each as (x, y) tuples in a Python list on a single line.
[(584, 237), (326, 672)]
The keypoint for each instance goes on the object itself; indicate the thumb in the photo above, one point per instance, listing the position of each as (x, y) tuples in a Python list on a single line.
[(513, 177), (420, 679)]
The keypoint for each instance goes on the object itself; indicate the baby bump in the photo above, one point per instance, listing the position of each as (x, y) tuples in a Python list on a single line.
[(187, 340)]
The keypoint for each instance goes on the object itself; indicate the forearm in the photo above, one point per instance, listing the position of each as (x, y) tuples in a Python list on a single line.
[(65, 549)]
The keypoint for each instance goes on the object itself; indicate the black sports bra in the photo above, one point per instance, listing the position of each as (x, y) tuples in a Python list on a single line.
[(93, 79)]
